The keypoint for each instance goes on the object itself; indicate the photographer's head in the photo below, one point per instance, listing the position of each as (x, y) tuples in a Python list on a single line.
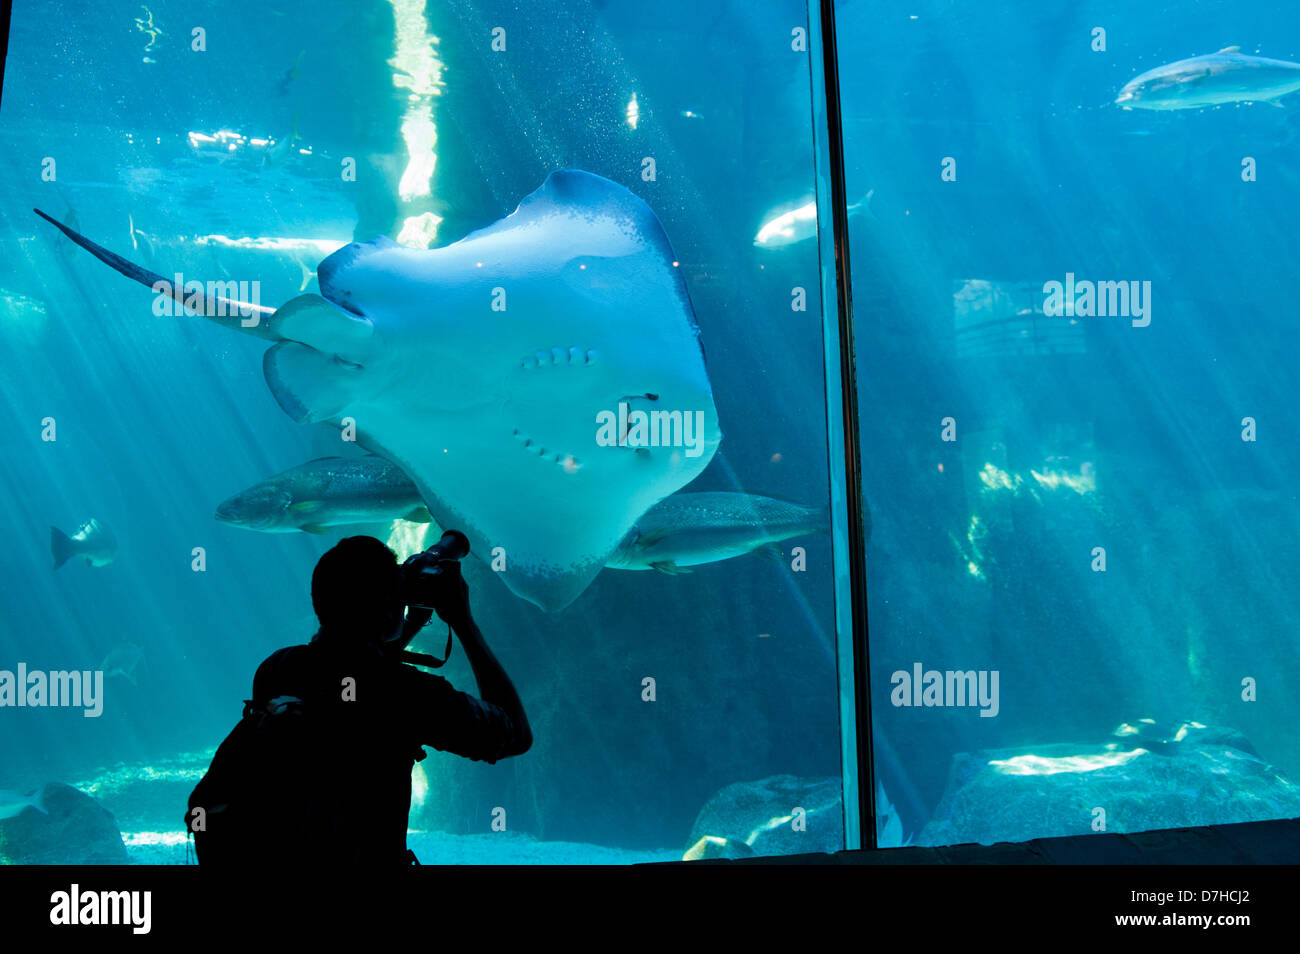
[(356, 591)]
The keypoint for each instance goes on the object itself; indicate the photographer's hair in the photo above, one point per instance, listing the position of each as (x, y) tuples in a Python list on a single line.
[(355, 590)]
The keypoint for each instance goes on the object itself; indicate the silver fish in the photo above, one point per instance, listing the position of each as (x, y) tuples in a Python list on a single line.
[(326, 492), (1228, 76), (689, 529)]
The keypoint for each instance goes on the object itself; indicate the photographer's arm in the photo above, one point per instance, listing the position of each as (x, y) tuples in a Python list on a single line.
[(495, 721), (494, 685)]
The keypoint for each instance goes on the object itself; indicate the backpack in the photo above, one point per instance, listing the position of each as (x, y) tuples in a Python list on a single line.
[(256, 802)]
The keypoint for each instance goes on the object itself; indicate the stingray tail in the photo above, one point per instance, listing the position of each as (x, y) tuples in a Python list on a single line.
[(223, 311), (61, 547)]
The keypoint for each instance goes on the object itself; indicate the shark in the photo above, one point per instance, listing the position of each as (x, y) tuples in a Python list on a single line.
[(1228, 76), (485, 368)]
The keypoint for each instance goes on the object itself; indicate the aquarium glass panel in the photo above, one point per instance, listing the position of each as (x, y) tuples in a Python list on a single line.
[(1073, 270), (582, 324)]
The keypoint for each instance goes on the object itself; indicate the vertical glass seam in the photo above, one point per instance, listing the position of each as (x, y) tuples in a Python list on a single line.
[(842, 429)]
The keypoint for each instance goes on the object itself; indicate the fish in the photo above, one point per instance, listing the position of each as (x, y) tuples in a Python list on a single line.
[(326, 492), (1228, 76), (1170, 738), (93, 540), (679, 531), (122, 661), (800, 224), (13, 804), (889, 824), (489, 369), (140, 242), (61, 244), (281, 149), (290, 75), (691, 529)]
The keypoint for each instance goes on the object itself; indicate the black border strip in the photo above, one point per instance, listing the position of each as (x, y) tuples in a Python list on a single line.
[(852, 448), (6, 10)]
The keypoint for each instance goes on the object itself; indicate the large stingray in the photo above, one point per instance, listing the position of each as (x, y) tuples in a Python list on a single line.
[(480, 369)]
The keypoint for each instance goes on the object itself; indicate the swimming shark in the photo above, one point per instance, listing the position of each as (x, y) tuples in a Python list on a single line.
[(485, 368), (1228, 76)]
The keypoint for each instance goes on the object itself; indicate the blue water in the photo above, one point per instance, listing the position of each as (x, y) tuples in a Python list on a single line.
[(974, 562), (1199, 527), (159, 419)]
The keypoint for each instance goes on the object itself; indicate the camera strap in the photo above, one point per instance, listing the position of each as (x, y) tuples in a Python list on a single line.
[(423, 659)]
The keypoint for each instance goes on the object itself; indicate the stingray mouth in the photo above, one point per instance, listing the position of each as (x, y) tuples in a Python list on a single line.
[(562, 459)]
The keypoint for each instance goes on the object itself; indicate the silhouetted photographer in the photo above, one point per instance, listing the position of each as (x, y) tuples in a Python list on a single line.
[(318, 771)]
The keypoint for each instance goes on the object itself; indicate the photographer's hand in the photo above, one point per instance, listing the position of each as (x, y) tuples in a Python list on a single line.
[(450, 594), (494, 685)]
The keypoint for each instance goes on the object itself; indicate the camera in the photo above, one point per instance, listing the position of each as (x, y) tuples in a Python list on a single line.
[(418, 584), (419, 589)]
